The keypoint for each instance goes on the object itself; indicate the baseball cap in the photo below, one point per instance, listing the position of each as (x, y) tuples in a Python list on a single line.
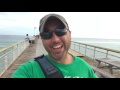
[(47, 17)]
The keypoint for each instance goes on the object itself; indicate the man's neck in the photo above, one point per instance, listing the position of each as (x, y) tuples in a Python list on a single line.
[(66, 60)]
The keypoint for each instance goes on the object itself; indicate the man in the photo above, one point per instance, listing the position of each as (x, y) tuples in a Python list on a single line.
[(56, 39), (29, 39)]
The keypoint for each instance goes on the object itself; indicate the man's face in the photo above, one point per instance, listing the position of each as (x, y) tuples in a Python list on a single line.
[(57, 46)]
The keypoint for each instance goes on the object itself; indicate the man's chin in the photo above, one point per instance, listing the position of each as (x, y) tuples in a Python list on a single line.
[(58, 56)]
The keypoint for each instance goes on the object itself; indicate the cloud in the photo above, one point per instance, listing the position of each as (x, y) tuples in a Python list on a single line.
[(82, 24)]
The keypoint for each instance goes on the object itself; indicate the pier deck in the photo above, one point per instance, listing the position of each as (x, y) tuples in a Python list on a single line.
[(38, 49)]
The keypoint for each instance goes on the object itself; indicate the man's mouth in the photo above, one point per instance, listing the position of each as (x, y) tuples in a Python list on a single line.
[(57, 48)]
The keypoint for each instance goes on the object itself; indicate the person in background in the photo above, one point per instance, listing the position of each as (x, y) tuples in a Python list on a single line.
[(56, 38), (27, 37), (31, 41)]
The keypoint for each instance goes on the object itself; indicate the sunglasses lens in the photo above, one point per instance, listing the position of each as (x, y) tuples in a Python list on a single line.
[(60, 32), (46, 35)]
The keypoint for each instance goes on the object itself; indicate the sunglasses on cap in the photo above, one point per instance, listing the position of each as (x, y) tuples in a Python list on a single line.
[(47, 34)]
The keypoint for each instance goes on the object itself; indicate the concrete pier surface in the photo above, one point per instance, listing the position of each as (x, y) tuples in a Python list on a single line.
[(37, 49)]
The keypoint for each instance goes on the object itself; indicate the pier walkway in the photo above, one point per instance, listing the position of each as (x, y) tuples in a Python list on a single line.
[(37, 49)]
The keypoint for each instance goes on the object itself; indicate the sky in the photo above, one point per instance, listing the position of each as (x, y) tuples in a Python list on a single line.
[(103, 25)]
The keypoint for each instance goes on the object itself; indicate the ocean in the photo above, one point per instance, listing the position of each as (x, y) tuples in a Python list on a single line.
[(6, 40), (106, 43)]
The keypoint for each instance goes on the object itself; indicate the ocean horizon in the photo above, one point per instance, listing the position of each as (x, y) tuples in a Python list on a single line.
[(6, 40)]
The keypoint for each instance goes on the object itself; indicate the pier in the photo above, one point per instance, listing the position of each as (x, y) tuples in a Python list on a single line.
[(36, 49)]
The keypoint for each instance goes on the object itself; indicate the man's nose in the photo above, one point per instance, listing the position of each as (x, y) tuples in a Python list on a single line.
[(55, 38)]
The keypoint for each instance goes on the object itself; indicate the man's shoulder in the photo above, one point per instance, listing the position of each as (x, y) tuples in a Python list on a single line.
[(78, 58), (26, 69), (29, 63)]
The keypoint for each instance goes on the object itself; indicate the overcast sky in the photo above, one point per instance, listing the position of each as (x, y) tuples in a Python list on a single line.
[(82, 24)]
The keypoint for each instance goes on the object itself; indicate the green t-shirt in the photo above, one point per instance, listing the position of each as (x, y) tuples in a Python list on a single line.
[(77, 69)]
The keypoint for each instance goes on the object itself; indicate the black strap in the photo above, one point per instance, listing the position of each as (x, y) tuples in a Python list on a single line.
[(48, 69)]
